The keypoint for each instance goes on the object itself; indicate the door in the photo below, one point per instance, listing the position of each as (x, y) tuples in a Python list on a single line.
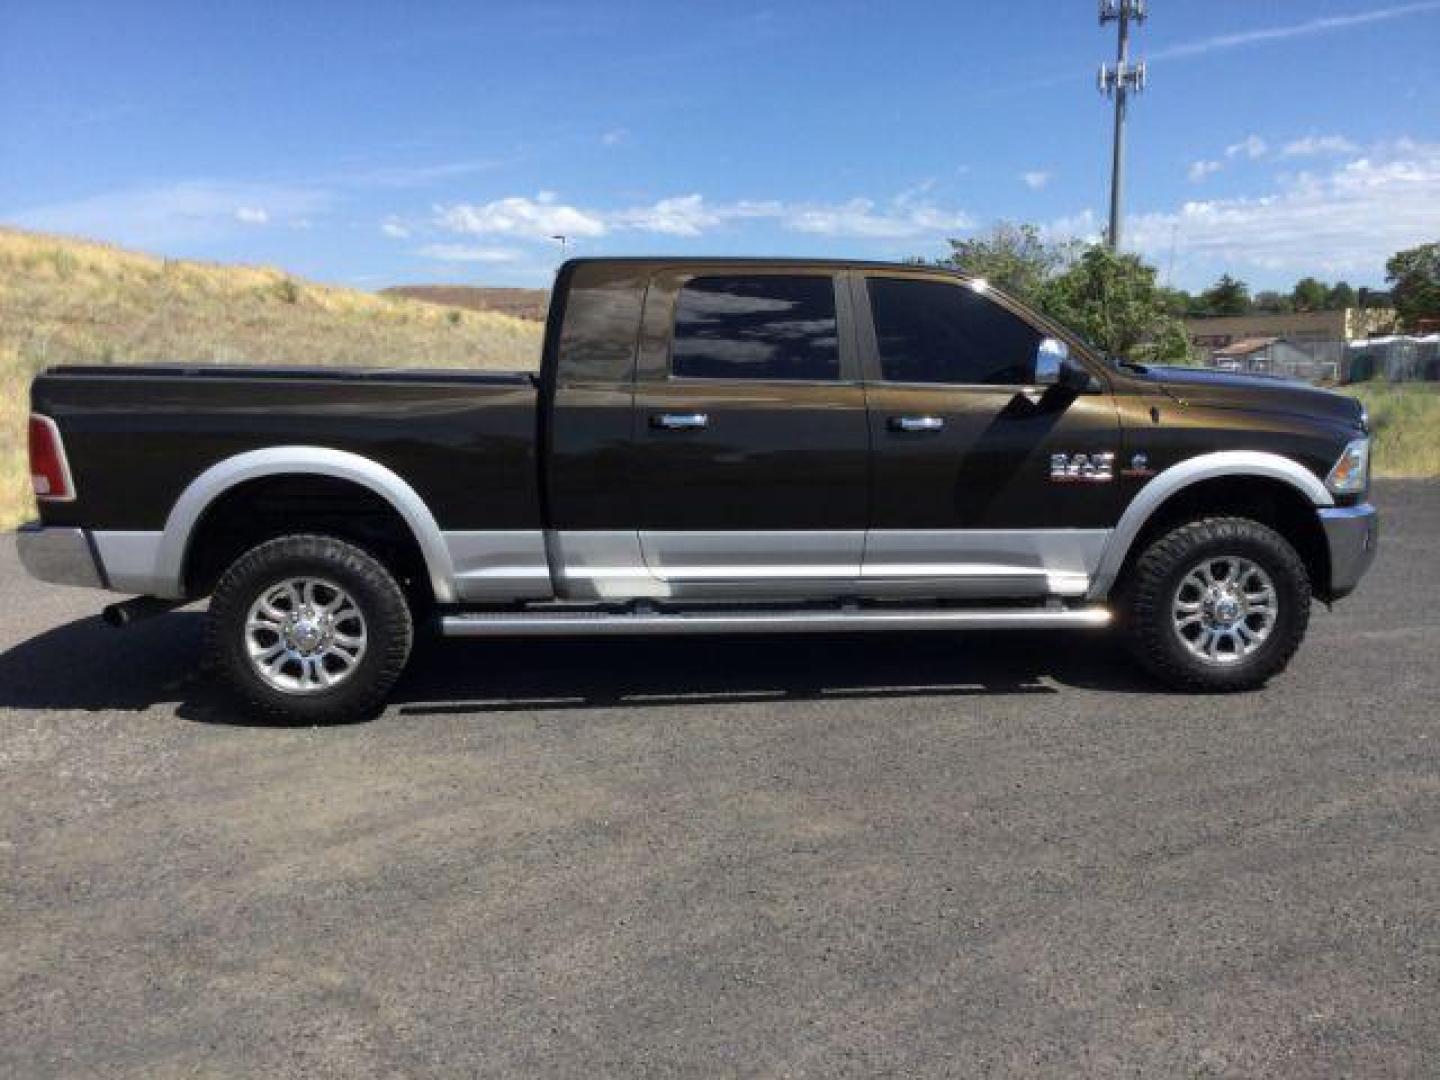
[(983, 483), (751, 434)]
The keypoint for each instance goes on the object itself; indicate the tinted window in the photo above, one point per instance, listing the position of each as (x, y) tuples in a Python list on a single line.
[(936, 332), (602, 317), (760, 327)]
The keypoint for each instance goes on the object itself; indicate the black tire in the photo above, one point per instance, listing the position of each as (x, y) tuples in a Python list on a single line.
[(1156, 578), (387, 630)]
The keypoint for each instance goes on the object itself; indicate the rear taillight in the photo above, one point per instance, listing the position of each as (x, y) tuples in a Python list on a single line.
[(49, 471)]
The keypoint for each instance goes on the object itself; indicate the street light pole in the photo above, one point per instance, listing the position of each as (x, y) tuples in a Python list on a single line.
[(1119, 82)]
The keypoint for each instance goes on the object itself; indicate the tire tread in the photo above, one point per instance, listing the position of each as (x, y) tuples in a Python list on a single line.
[(1147, 603), (357, 697)]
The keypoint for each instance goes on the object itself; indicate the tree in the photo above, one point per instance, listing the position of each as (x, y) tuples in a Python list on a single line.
[(1272, 303), (1226, 297), (1178, 302), (1309, 294), (1341, 296), (1113, 302), (1013, 257), (1414, 275)]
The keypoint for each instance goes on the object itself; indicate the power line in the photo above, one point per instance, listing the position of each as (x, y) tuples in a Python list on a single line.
[(1119, 82)]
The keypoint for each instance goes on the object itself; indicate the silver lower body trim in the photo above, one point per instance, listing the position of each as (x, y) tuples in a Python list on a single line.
[(1352, 535), (760, 555), (980, 562), (134, 562), (59, 555), (508, 564), (964, 563), (582, 623), (603, 565)]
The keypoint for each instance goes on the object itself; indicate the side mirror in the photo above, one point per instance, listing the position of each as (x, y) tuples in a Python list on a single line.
[(1050, 358), (1053, 367)]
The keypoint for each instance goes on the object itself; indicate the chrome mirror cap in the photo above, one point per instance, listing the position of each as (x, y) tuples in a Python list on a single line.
[(1051, 356)]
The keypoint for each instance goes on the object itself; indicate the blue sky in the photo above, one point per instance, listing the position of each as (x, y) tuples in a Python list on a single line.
[(377, 143)]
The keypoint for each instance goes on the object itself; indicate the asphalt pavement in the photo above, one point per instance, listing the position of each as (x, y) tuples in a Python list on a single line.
[(970, 855)]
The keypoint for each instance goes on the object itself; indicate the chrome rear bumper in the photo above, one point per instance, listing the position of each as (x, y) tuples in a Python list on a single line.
[(1352, 534), (59, 555)]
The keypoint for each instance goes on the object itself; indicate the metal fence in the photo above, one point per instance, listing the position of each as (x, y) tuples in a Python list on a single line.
[(1311, 361), (1397, 359)]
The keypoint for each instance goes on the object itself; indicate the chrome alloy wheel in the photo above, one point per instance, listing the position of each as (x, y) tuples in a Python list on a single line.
[(1224, 609), (304, 635)]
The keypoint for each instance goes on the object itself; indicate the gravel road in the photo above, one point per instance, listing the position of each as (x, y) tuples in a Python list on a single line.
[(967, 855)]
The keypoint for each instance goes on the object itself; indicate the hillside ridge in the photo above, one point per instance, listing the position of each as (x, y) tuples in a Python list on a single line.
[(532, 304)]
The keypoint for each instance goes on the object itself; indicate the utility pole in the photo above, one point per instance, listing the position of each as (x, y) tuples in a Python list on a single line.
[(1119, 82)]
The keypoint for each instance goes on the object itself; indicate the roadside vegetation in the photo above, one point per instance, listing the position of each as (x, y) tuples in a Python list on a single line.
[(1110, 300), (66, 301), (1406, 421)]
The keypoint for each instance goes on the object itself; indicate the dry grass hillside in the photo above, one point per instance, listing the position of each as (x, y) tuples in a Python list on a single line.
[(70, 301), (522, 303)]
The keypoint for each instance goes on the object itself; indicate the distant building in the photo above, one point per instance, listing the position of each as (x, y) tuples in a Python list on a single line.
[(1315, 361), (1211, 333)]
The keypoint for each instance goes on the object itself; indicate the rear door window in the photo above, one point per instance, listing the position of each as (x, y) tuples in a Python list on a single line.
[(760, 326)]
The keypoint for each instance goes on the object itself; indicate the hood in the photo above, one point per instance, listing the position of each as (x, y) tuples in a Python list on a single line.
[(1255, 393)]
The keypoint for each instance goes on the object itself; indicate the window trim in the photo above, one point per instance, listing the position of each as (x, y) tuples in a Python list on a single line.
[(869, 342), (662, 298)]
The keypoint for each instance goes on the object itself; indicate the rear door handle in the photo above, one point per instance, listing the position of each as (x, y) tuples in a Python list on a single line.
[(917, 423), (679, 421)]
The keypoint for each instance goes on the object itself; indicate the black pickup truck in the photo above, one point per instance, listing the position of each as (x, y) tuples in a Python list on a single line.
[(710, 446)]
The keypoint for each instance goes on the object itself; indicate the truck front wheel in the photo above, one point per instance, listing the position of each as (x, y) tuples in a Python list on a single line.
[(1217, 605), (308, 629)]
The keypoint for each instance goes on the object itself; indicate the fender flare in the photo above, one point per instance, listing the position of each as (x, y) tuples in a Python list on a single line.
[(1182, 475), (221, 477)]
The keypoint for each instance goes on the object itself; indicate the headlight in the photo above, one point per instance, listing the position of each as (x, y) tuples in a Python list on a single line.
[(1351, 473)]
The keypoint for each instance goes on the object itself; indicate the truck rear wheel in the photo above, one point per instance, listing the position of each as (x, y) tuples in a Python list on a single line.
[(1217, 605), (308, 629)]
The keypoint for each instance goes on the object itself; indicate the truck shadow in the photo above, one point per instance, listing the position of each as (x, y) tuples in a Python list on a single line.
[(85, 665)]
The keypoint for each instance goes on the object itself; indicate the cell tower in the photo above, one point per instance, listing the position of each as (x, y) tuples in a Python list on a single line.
[(1119, 82)]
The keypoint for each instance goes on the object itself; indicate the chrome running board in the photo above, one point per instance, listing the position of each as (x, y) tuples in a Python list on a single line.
[(567, 623)]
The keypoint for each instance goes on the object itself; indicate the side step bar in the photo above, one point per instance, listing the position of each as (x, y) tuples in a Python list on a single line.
[(567, 623)]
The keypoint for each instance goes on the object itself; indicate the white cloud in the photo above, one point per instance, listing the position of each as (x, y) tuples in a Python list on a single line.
[(615, 137), (1346, 220), (1304, 29), (1035, 180), (467, 253), (685, 215), (908, 215), (394, 228), (1316, 145), (536, 219), (177, 215), (1199, 170), (863, 219), (1252, 146)]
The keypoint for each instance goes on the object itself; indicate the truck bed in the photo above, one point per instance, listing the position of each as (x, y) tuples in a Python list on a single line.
[(138, 435)]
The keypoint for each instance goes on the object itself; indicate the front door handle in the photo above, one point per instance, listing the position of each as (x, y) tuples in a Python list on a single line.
[(917, 423), (679, 421)]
